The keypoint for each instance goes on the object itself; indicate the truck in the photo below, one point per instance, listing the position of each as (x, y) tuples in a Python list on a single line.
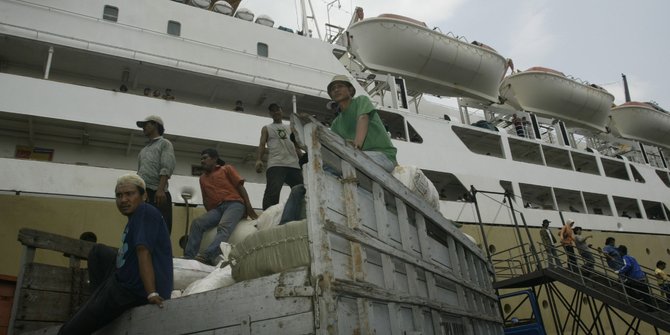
[(379, 260)]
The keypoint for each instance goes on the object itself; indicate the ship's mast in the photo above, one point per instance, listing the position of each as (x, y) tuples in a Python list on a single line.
[(305, 17), (625, 87)]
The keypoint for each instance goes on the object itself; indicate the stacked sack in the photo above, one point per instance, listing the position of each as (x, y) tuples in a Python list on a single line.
[(417, 182)]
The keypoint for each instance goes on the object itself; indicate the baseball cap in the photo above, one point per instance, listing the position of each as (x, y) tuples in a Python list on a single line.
[(153, 118), (545, 221)]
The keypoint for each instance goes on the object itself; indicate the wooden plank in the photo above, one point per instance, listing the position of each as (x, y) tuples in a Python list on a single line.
[(52, 278), (394, 320), (335, 143), (375, 293), (380, 213), (384, 248), (424, 243), (389, 273), (38, 305), (36, 327), (27, 257), (292, 324), (350, 195), (43, 240), (403, 224)]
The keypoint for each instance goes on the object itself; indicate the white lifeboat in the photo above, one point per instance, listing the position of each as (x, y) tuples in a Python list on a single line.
[(642, 122), (429, 61), (552, 94)]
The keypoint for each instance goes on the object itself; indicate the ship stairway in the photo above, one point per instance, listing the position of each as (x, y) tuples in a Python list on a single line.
[(578, 299)]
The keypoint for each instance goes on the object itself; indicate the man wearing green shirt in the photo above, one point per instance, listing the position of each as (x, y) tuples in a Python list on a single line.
[(358, 122)]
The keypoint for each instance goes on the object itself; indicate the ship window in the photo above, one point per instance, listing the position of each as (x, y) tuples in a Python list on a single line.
[(627, 207), (636, 175), (597, 204), (174, 28), (262, 49), (413, 134), (110, 13), (569, 200), (536, 196), (448, 186), (481, 142), (557, 157), (394, 124), (664, 177), (655, 210), (507, 186), (525, 151), (585, 163), (615, 169)]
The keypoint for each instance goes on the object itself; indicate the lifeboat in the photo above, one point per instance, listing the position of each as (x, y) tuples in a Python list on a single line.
[(429, 61), (642, 122), (552, 94)]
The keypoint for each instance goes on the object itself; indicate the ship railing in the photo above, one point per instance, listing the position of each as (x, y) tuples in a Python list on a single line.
[(512, 262), (593, 272)]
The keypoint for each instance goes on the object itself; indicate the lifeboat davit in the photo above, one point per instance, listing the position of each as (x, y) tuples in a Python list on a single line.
[(429, 61), (642, 122), (552, 94)]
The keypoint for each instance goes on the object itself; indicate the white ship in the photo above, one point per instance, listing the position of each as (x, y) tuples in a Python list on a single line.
[(63, 63)]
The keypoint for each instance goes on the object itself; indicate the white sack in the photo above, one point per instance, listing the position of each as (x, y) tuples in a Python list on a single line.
[(417, 182), (270, 217), (187, 271), (220, 277)]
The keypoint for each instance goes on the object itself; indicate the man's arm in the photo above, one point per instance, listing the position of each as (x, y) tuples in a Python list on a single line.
[(250, 210), (160, 193), (261, 149), (361, 130), (147, 275)]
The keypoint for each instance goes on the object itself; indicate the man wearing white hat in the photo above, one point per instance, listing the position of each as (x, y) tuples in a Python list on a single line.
[(155, 164), (359, 123)]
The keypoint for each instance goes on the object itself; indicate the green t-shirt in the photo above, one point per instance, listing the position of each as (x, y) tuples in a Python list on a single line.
[(377, 139)]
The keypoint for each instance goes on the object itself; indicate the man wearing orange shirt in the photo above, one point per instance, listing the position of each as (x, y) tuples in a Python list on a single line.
[(568, 242), (226, 201)]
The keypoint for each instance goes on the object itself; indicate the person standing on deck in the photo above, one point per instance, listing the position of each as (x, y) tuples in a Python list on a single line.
[(568, 242), (283, 157), (226, 201), (518, 126), (139, 273), (549, 242), (155, 164)]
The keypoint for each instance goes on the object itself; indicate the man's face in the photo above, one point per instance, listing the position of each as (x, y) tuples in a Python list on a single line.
[(128, 198), (276, 115), (148, 128), (207, 163), (340, 92)]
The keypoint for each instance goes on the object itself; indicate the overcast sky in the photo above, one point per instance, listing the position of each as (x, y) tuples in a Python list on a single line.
[(594, 40)]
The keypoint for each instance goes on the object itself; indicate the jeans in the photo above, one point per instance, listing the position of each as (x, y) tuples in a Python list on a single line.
[(225, 218), (165, 208), (294, 207), (109, 299), (553, 256), (276, 176), (572, 260), (589, 261)]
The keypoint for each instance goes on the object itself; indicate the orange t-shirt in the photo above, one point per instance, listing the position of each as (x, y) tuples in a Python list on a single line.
[(567, 236), (220, 185)]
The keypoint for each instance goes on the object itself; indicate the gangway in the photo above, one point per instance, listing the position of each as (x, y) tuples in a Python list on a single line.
[(601, 302)]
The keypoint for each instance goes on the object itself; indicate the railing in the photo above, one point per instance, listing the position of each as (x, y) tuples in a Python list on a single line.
[(513, 262)]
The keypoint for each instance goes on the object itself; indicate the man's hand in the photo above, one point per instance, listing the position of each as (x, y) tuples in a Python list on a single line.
[(252, 214), (259, 166), (156, 300), (160, 197)]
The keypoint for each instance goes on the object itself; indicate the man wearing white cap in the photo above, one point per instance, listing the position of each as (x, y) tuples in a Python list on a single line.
[(359, 123), (139, 273), (155, 164)]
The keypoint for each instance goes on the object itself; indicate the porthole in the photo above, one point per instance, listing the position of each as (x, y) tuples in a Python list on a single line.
[(262, 49), (110, 13), (174, 28)]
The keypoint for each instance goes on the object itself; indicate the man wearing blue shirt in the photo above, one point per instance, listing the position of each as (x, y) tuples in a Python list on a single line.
[(634, 278), (139, 273)]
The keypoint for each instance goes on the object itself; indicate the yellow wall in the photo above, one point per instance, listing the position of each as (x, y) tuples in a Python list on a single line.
[(68, 217)]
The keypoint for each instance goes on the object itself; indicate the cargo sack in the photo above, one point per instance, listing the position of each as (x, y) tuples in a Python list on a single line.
[(243, 229), (271, 251), (219, 278), (187, 271), (417, 182)]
